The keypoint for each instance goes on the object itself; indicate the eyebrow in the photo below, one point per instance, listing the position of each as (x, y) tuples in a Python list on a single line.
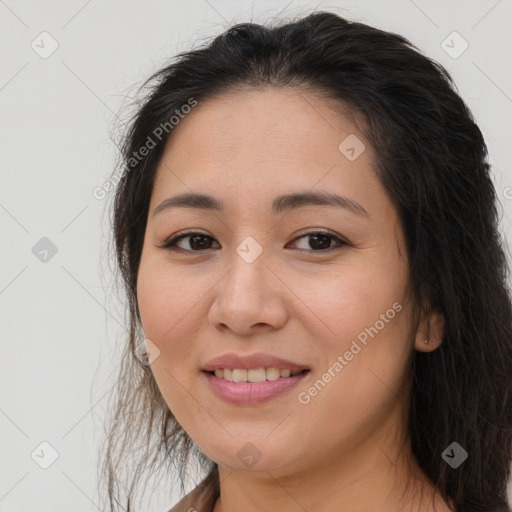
[(280, 204)]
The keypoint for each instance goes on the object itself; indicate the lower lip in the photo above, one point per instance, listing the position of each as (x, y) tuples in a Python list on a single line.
[(250, 393)]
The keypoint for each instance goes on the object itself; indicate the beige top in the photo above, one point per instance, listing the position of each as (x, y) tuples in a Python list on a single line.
[(203, 497)]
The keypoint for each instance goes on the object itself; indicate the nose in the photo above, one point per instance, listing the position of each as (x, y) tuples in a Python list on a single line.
[(249, 299)]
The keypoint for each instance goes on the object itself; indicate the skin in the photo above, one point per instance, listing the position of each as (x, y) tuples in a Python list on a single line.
[(347, 449)]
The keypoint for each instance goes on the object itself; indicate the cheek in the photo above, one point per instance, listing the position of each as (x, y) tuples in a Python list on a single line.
[(163, 298), (150, 299), (351, 299), (368, 320), (163, 311), (170, 302), (361, 382)]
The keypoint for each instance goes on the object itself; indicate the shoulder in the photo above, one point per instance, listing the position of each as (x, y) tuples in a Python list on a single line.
[(202, 498)]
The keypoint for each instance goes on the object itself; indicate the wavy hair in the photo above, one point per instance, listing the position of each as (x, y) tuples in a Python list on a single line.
[(432, 161)]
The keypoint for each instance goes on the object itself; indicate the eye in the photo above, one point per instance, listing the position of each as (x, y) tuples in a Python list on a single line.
[(319, 241), (196, 242)]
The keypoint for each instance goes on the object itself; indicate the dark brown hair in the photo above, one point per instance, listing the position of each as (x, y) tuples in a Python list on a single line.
[(432, 160)]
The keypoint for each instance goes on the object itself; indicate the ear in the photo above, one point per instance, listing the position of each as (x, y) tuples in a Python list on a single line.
[(430, 332)]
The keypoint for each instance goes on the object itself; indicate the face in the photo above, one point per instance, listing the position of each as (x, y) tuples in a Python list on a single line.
[(320, 286)]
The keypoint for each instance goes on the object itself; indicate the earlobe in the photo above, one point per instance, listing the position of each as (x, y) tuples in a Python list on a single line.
[(430, 332)]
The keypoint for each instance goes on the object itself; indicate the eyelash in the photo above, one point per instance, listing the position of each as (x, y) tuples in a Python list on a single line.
[(170, 244)]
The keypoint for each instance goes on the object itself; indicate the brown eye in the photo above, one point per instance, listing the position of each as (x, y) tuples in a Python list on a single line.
[(196, 243), (320, 241)]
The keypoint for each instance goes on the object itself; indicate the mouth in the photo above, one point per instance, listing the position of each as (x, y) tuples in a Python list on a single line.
[(250, 379), (234, 387), (256, 374)]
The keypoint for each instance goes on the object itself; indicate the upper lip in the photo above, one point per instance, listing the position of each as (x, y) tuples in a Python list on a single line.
[(251, 362)]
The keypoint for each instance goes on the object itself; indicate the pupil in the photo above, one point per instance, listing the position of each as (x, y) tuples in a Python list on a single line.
[(314, 241), (200, 245)]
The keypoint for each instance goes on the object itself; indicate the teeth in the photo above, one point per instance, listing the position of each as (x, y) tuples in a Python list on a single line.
[(258, 375), (254, 375), (239, 375), (273, 374)]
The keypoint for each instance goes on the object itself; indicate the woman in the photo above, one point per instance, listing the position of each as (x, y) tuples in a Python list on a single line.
[(307, 230)]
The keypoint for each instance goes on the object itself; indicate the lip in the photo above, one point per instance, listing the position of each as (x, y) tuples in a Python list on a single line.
[(252, 362), (251, 393)]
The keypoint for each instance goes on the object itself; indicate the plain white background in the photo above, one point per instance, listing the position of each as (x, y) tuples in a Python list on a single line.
[(60, 322)]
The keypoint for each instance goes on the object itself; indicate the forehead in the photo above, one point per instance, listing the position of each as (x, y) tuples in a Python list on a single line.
[(265, 135)]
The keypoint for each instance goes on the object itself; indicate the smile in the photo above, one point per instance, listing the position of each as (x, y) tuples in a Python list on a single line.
[(244, 392)]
